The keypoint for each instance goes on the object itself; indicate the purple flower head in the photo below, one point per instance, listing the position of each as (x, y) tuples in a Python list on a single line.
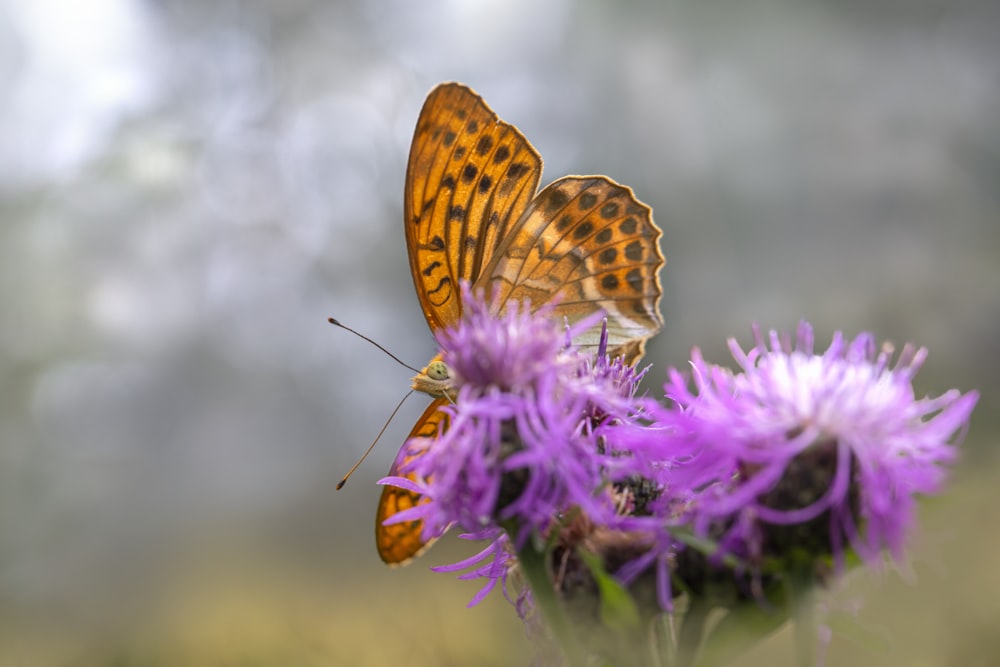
[(612, 384), (793, 459), (509, 352), (803, 450), (519, 447)]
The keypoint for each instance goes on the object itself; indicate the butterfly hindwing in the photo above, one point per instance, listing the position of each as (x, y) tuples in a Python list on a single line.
[(399, 543), (585, 243)]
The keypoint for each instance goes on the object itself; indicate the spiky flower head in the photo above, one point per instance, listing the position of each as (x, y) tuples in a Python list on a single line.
[(804, 452)]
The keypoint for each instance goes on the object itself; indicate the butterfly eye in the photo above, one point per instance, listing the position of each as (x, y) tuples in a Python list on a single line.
[(438, 370)]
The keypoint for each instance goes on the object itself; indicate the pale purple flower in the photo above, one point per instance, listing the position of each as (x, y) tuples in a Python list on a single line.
[(797, 437)]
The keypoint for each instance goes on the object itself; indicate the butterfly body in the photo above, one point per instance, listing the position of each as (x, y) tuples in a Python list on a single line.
[(473, 213), (435, 379)]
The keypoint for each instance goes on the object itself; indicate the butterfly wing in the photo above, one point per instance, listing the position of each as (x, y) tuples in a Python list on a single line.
[(399, 543), (469, 178), (587, 244)]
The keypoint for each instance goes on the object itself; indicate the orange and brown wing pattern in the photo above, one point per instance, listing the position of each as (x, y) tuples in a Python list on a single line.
[(399, 543), (469, 179), (587, 243)]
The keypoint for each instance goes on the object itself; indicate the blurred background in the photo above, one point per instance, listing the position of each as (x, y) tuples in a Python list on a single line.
[(189, 189)]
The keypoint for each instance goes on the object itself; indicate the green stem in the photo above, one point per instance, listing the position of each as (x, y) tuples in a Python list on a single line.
[(692, 633), (802, 597), (533, 566), (665, 640)]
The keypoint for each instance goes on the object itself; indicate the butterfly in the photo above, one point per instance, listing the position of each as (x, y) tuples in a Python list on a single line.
[(473, 212)]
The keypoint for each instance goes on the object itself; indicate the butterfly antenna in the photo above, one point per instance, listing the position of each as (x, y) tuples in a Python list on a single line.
[(337, 323), (350, 472)]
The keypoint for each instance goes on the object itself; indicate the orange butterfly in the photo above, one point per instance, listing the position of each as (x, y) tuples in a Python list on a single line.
[(472, 212)]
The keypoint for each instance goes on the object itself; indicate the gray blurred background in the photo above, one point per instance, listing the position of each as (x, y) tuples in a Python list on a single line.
[(189, 189)]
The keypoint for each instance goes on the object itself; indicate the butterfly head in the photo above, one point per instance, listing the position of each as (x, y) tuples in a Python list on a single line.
[(436, 379)]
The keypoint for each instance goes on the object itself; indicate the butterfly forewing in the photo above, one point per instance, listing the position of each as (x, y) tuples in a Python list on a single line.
[(470, 177), (587, 244), (398, 543)]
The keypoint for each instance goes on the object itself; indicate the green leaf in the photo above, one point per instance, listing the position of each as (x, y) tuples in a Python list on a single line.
[(618, 610)]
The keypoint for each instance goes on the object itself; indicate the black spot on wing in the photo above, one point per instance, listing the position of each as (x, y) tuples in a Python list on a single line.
[(609, 210), (583, 230), (517, 170), (555, 201), (484, 145), (634, 279)]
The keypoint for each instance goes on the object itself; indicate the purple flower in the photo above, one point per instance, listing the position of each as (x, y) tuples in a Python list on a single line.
[(508, 352), (802, 450), (521, 447), (795, 458)]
